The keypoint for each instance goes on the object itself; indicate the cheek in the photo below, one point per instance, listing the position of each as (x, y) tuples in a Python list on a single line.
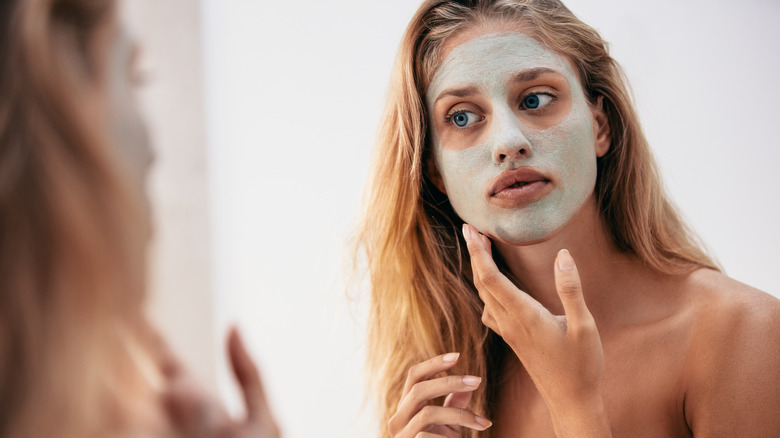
[(572, 146), (461, 170)]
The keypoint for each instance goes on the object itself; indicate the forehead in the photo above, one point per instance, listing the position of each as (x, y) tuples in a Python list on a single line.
[(478, 58)]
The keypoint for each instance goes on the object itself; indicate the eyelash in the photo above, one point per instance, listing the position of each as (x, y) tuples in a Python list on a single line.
[(537, 93), (453, 113), (448, 118)]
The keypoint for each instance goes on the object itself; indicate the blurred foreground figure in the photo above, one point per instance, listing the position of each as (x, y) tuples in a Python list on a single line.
[(77, 356)]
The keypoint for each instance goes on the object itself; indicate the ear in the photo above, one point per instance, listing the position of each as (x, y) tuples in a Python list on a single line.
[(433, 174), (601, 128)]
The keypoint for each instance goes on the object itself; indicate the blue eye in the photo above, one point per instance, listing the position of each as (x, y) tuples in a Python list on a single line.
[(536, 101), (464, 118)]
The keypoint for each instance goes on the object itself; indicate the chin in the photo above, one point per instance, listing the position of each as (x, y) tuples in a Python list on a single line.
[(520, 237)]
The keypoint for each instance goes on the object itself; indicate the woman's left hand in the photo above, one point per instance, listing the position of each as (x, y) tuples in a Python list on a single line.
[(562, 354), (194, 413)]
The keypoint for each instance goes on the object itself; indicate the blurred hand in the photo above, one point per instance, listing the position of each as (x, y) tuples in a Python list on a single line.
[(194, 414)]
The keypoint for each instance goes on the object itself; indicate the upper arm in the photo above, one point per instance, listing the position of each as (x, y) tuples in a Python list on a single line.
[(734, 370)]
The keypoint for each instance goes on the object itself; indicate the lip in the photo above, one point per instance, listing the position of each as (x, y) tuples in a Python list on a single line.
[(506, 192)]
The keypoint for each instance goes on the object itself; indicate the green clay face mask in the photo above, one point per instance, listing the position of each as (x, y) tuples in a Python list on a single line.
[(512, 175)]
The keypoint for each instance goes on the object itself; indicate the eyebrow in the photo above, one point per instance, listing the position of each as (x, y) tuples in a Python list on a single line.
[(523, 76), (531, 74), (458, 92)]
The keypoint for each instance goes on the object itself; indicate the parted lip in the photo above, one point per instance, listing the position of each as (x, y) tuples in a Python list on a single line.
[(521, 175)]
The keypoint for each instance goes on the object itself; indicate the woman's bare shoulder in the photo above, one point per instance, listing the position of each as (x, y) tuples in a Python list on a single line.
[(734, 357), (715, 299), (729, 317)]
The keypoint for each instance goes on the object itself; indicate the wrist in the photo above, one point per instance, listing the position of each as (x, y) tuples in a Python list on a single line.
[(582, 419)]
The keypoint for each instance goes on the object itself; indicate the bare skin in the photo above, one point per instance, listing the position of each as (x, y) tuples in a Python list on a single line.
[(694, 355), (605, 346), (648, 355)]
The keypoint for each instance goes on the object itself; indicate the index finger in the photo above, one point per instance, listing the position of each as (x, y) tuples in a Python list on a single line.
[(429, 368), (248, 378), (487, 277)]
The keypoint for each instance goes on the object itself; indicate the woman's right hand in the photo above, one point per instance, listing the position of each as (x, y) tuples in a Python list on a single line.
[(417, 418)]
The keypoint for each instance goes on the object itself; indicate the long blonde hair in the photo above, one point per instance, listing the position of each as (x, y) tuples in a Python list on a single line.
[(423, 302), (73, 230)]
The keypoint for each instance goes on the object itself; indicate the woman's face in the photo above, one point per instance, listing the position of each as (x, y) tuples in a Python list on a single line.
[(514, 138)]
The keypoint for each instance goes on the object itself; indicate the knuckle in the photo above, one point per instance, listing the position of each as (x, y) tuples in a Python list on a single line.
[(586, 327), (535, 318), (453, 381), (532, 323), (413, 392), (478, 282), (392, 424), (588, 324), (426, 414), (489, 280), (464, 417), (413, 371), (569, 286)]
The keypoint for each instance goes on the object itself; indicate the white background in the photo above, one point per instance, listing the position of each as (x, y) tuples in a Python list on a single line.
[(294, 92)]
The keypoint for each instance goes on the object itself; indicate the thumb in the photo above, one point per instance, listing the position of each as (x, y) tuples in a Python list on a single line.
[(569, 287)]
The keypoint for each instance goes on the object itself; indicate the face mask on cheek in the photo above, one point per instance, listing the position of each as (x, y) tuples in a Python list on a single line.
[(563, 154)]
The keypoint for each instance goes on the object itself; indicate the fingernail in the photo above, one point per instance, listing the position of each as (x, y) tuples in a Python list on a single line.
[(450, 357), (472, 381), (565, 261), (484, 422), (467, 233)]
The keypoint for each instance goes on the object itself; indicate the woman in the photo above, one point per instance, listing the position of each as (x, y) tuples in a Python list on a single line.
[(77, 356), (510, 150)]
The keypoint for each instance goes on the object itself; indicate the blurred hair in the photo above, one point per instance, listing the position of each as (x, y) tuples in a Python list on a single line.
[(423, 302), (72, 230)]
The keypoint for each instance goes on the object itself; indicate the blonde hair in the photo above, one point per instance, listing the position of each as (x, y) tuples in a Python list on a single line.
[(72, 230), (423, 302)]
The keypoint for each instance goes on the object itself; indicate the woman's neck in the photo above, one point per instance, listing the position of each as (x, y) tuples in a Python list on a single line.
[(610, 278)]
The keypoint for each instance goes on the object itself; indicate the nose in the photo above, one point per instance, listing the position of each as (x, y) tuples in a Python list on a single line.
[(509, 143)]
